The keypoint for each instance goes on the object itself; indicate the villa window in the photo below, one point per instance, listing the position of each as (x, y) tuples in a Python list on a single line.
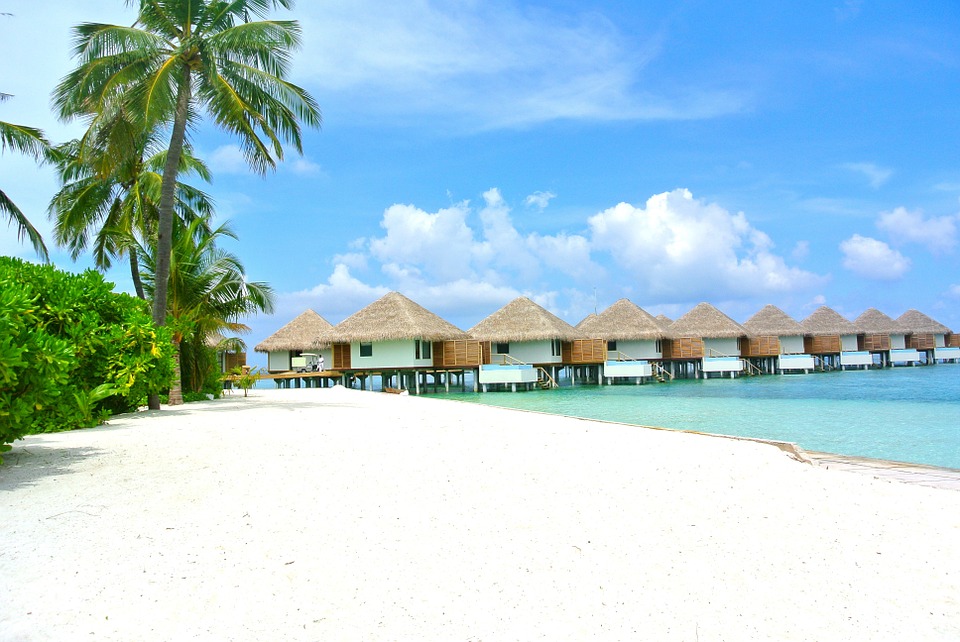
[(423, 349), (659, 346), (611, 346), (366, 349), (555, 347), (502, 348)]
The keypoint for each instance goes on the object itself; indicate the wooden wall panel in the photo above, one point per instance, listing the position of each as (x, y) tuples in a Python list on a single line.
[(341, 356), (584, 351), (822, 345), (874, 342), (458, 354), (921, 341), (766, 346), (687, 348)]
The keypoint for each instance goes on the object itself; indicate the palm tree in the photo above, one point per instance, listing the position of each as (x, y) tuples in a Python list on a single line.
[(111, 192), (182, 57), (26, 140), (208, 291)]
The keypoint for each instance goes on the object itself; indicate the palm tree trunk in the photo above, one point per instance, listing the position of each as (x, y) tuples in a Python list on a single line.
[(176, 391), (165, 224), (135, 275)]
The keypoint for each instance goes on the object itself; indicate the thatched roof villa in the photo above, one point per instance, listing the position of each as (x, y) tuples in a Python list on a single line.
[(293, 339), (392, 332), (632, 335), (834, 339), (526, 332), (663, 321), (707, 334), (929, 336), (775, 342)]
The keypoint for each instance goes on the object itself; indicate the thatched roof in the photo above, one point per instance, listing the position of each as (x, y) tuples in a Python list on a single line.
[(523, 320), (705, 322), (622, 321), (914, 322), (299, 334), (826, 322), (771, 321), (663, 321), (873, 321), (392, 317)]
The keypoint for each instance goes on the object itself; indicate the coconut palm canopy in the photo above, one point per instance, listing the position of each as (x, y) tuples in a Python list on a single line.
[(622, 321), (826, 322), (523, 320), (915, 322), (392, 317), (771, 321), (299, 334), (705, 322), (873, 321)]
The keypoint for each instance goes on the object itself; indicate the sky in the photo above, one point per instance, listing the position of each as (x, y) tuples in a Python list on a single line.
[(739, 153)]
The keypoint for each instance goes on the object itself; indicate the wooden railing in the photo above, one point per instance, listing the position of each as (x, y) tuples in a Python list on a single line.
[(546, 381)]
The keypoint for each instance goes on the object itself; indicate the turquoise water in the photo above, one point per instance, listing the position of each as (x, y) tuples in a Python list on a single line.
[(900, 414)]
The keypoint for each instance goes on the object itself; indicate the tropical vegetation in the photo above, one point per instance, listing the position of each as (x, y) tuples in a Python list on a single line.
[(30, 141), (72, 350)]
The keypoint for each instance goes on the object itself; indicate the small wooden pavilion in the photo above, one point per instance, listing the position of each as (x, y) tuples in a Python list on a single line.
[(704, 341), (925, 335), (285, 347), (524, 336), (402, 343), (833, 340), (633, 338), (775, 342)]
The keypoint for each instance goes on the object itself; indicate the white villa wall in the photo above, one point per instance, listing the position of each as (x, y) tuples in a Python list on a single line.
[(721, 347), (848, 343), (278, 361), (791, 345), (528, 352), (940, 340), (637, 350), (388, 354)]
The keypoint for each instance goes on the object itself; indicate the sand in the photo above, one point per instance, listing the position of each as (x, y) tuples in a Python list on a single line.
[(345, 515)]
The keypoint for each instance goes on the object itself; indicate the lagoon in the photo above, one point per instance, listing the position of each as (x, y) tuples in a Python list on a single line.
[(909, 414)]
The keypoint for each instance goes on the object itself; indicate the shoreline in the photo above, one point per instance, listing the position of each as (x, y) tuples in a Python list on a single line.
[(341, 514)]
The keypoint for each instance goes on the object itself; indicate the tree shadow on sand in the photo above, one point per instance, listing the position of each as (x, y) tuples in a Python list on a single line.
[(27, 464)]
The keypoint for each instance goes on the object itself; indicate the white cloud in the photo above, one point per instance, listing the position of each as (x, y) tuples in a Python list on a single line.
[(873, 259), (875, 174), (678, 249), (937, 234), (302, 166), (491, 64), (801, 250), (954, 290), (539, 200), (228, 159)]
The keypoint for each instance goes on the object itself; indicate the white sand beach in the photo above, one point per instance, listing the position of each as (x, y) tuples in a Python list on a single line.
[(344, 515)]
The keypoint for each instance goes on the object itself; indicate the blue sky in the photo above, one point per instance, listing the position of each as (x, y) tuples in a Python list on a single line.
[(740, 153)]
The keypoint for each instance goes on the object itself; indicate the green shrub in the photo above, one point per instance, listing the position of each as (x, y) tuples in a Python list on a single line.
[(72, 350)]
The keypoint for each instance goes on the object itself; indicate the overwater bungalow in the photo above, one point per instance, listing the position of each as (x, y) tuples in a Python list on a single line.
[(704, 340), (525, 344), (402, 343), (833, 341), (231, 353), (293, 347), (775, 342), (927, 336), (879, 334), (633, 338)]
